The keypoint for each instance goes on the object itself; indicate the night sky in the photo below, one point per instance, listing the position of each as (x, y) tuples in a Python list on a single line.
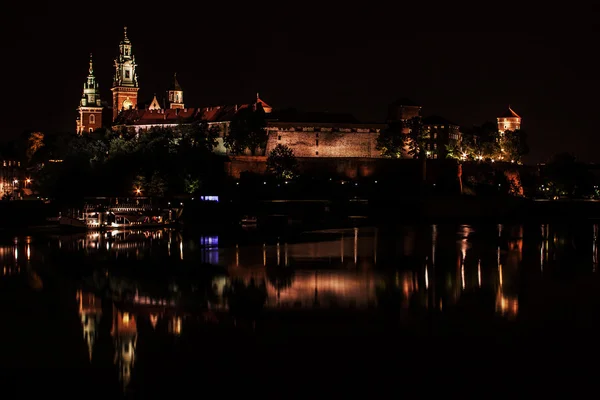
[(466, 65)]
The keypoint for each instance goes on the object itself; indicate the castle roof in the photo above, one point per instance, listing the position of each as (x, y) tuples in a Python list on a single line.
[(509, 114), (176, 115), (183, 115), (175, 85)]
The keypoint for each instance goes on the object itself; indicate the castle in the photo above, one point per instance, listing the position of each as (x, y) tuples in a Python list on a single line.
[(313, 135)]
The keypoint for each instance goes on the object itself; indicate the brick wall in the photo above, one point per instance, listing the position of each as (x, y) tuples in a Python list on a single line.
[(326, 144), (239, 164)]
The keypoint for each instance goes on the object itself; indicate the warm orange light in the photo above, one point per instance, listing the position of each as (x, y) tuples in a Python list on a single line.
[(125, 318), (28, 180)]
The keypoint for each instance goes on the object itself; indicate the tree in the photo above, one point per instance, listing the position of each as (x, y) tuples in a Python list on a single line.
[(247, 131), (564, 175), (514, 145), (390, 141), (198, 135), (34, 143), (192, 185), (281, 162), (139, 184), (157, 186), (416, 140)]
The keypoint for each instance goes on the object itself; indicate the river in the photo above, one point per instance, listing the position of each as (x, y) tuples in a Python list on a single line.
[(143, 313)]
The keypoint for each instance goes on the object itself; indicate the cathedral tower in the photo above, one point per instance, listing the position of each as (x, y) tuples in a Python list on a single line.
[(125, 83), (90, 106), (175, 94)]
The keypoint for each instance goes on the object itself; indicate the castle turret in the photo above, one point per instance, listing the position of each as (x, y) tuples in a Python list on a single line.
[(175, 94), (509, 121)]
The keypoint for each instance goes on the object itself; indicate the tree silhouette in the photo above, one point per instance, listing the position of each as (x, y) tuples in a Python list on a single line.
[(281, 162)]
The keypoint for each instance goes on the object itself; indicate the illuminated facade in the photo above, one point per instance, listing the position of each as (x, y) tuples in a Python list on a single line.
[(509, 121), (125, 83), (175, 94), (90, 106), (11, 178), (442, 133)]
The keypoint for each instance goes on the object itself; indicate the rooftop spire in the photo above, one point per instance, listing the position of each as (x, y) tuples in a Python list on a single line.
[(176, 85), (91, 65), (125, 33)]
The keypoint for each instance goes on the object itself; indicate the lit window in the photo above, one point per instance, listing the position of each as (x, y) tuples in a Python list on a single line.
[(92, 119), (91, 130)]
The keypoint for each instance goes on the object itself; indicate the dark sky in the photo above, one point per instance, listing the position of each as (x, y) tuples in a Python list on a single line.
[(463, 63)]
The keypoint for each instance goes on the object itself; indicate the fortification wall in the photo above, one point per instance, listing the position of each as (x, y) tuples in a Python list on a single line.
[(326, 144)]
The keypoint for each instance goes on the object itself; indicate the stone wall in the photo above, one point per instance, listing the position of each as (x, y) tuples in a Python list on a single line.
[(326, 144), (348, 168), (240, 164)]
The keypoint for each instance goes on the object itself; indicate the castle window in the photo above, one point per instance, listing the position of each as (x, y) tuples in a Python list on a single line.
[(92, 119), (127, 74), (317, 152), (317, 134), (279, 137), (317, 142), (91, 130)]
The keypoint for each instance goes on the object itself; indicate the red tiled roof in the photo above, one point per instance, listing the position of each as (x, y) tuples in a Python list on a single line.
[(170, 116), (509, 114)]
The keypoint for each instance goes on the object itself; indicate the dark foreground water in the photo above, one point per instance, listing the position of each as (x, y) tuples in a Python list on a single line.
[(425, 309)]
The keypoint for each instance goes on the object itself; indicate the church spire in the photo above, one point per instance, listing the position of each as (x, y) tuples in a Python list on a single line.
[(90, 105), (175, 94), (125, 81), (91, 70)]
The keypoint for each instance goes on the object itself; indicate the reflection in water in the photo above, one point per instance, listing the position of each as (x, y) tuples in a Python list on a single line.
[(595, 249), (424, 268)]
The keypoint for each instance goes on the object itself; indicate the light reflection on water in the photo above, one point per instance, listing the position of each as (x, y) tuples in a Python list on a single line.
[(341, 268), (428, 267)]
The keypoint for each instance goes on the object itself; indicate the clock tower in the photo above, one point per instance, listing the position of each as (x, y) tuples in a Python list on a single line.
[(125, 82)]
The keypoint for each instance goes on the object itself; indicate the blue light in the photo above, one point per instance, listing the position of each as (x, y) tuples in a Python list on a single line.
[(210, 198)]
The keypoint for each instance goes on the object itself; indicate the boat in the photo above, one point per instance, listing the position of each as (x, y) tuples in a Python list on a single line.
[(93, 217)]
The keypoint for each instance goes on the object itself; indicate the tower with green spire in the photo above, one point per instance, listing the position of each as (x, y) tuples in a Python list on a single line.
[(90, 106), (125, 82)]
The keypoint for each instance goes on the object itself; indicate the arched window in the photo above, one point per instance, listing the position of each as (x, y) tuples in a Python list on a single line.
[(92, 119)]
